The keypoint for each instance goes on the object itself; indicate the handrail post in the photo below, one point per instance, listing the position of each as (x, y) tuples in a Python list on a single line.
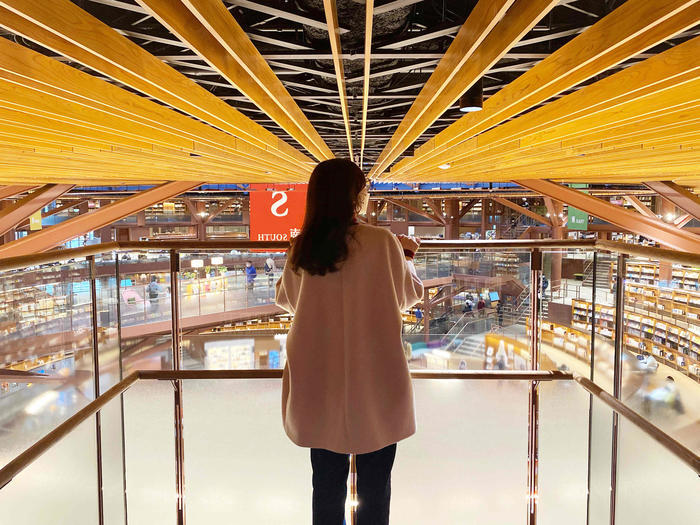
[(117, 275), (617, 374), (177, 384), (96, 385), (533, 407), (592, 374)]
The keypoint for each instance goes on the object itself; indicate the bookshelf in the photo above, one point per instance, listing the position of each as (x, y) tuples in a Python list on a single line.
[(669, 340)]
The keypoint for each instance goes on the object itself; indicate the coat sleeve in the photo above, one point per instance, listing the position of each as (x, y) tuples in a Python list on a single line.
[(407, 284), (287, 289)]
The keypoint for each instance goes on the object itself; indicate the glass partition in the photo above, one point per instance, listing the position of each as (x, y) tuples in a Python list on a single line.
[(243, 469), (145, 308), (662, 346), (653, 485), (474, 313), (45, 315), (59, 487), (150, 452)]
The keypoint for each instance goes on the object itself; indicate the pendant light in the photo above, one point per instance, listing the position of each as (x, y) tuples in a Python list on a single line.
[(473, 99)]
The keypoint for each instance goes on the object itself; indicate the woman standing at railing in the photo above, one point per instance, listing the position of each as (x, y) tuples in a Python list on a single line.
[(346, 387)]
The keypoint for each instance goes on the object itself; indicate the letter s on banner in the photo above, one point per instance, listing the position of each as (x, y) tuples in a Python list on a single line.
[(276, 204), (276, 211)]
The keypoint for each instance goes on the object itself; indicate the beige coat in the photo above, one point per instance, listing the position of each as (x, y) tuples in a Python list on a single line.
[(346, 385)]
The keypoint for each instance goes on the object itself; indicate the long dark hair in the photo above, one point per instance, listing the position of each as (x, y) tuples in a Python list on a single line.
[(331, 202)]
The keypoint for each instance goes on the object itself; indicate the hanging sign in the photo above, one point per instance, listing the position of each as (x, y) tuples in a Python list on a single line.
[(578, 219), (276, 211), (35, 221)]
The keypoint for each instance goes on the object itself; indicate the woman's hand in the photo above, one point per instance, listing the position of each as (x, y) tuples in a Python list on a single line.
[(409, 243)]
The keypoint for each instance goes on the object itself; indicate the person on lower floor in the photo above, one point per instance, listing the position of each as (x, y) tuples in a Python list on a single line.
[(346, 385)]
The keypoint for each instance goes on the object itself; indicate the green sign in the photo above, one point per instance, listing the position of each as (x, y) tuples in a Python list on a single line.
[(578, 220)]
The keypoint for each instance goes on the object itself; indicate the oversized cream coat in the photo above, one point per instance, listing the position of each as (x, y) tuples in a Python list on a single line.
[(346, 385)]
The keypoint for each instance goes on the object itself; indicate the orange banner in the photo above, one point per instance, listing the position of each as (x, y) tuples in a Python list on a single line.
[(276, 211)]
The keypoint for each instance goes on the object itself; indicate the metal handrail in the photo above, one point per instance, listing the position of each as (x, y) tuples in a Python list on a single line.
[(23, 261), (31, 454), (679, 450)]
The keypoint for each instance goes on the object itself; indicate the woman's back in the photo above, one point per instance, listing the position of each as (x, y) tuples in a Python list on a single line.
[(346, 383)]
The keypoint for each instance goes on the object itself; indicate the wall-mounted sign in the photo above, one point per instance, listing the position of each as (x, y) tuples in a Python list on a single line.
[(276, 211)]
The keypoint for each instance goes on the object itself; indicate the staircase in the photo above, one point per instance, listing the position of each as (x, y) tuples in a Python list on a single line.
[(602, 273), (516, 230), (472, 346)]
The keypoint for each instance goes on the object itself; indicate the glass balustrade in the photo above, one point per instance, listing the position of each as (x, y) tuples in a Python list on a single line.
[(112, 314)]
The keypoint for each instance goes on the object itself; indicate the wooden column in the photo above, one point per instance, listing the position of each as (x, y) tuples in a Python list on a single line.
[(484, 216), (452, 219), (666, 268), (372, 212), (426, 315)]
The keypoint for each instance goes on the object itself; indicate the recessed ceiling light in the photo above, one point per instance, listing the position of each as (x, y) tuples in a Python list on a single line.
[(445, 166)]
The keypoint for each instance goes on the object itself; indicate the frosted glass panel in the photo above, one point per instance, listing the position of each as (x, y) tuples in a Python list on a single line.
[(467, 463), (563, 457), (601, 458), (653, 486), (59, 488), (150, 453), (239, 465), (112, 464)]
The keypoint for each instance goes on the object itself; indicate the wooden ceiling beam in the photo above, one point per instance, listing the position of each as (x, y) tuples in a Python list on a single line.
[(468, 206), (54, 211), (369, 19), (331, 11), (25, 67), (208, 28), (686, 200), (65, 28), (523, 211), (630, 29), (20, 210), (438, 219), (436, 206), (633, 159), (679, 102), (10, 191), (639, 206), (666, 234), (63, 232), (669, 70), (491, 29)]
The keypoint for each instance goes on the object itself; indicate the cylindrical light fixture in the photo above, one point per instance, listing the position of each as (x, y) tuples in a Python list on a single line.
[(473, 99)]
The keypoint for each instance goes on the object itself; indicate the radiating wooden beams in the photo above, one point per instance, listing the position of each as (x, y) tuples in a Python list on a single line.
[(334, 36), (62, 26), (633, 27), (208, 28), (47, 101), (666, 234), (56, 235), (486, 29), (369, 18)]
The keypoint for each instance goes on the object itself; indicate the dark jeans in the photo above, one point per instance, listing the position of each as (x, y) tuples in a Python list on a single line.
[(373, 486)]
